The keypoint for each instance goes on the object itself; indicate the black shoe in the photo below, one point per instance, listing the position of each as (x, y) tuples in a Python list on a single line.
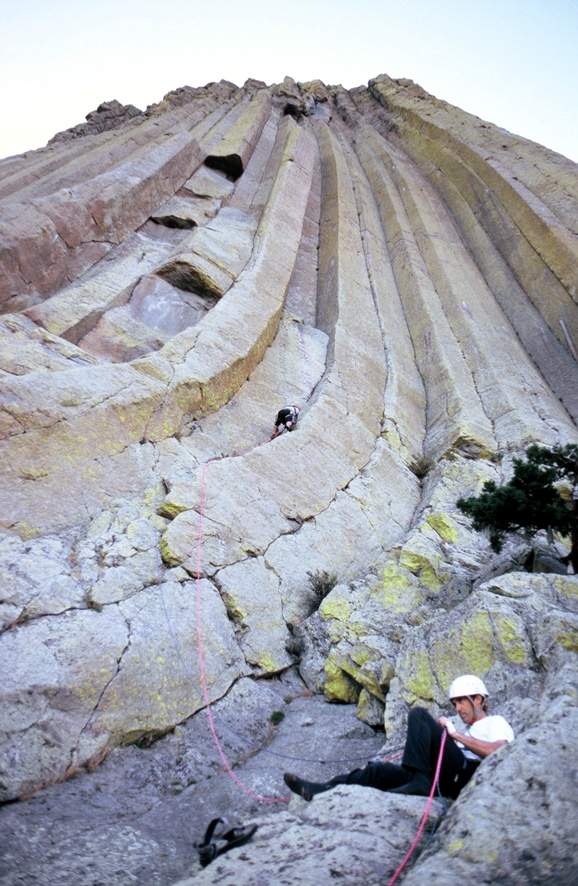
[(216, 844), (305, 789), (419, 786)]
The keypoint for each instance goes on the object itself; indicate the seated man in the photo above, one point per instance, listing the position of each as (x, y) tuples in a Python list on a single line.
[(286, 420), (482, 735)]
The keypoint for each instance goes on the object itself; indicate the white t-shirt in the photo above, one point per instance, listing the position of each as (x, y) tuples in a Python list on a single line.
[(493, 728)]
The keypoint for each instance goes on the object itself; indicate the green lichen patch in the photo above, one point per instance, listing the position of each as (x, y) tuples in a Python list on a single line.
[(477, 643), (568, 639), (420, 682), (169, 556), (567, 588), (396, 591), (171, 509), (338, 686), (335, 608), (511, 638), (266, 663), (424, 567), (444, 526)]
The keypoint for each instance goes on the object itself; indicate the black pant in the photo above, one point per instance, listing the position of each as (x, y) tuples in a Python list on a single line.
[(421, 752)]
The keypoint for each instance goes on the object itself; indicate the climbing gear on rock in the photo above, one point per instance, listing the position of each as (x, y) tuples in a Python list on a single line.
[(466, 686), (216, 844)]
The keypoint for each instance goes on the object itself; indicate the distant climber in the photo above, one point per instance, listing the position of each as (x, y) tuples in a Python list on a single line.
[(461, 757), (286, 420)]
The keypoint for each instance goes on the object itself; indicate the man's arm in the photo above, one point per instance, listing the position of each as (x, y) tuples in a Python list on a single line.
[(476, 745), (479, 747)]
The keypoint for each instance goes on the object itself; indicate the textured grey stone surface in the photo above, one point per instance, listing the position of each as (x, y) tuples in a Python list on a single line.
[(404, 272)]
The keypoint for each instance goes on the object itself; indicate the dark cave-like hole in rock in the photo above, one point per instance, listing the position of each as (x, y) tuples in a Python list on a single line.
[(292, 111), (173, 221), (230, 164), (183, 275)]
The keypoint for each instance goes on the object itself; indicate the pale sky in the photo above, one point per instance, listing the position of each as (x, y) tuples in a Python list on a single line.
[(512, 62)]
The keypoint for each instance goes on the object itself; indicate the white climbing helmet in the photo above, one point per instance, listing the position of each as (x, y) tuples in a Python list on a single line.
[(467, 685)]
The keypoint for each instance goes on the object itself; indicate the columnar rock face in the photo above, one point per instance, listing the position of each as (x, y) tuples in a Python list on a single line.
[(404, 272)]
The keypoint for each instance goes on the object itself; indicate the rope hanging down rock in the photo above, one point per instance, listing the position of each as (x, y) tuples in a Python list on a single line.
[(425, 814), (208, 709)]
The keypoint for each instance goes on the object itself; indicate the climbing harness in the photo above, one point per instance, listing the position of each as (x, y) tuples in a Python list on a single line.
[(215, 843), (425, 814)]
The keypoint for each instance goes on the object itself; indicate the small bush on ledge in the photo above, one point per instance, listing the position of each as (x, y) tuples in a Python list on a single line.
[(321, 583)]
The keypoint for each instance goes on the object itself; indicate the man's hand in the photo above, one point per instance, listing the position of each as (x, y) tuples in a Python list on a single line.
[(447, 724)]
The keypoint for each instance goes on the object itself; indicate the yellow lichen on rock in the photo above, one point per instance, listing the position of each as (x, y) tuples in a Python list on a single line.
[(337, 685), (335, 608), (424, 566), (420, 683), (512, 637), (444, 526)]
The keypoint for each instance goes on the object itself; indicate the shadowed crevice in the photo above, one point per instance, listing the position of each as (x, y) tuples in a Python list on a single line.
[(230, 164), (173, 221), (183, 275)]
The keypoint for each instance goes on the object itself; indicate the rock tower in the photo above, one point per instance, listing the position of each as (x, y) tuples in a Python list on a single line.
[(404, 272)]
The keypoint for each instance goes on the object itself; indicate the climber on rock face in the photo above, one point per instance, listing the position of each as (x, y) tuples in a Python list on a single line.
[(481, 736), (286, 420)]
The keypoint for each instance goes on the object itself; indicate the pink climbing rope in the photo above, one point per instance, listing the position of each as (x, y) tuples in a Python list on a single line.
[(394, 757), (222, 755), (425, 814), (206, 699)]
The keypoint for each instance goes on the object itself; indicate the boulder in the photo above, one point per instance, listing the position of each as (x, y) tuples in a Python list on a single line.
[(349, 834), (536, 838)]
